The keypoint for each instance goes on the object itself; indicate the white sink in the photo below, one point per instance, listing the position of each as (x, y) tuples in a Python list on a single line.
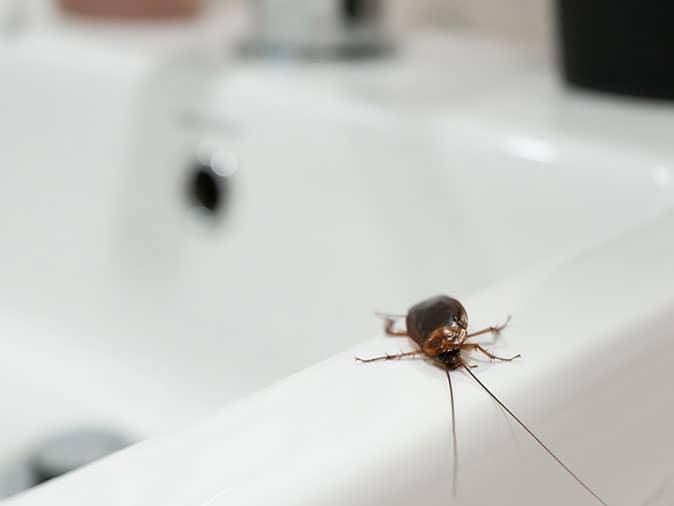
[(119, 306)]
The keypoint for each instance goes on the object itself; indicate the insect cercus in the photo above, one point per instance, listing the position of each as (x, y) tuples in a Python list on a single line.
[(439, 328)]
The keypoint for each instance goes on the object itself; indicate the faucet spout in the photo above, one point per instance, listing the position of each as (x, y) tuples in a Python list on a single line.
[(319, 29)]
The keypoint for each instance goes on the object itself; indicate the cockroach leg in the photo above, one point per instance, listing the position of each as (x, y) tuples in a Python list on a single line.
[(390, 357), (390, 331), (493, 329), (389, 316), (389, 322), (480, 348)]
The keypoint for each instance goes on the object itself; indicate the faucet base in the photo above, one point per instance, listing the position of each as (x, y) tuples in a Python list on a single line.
[(354, 48)]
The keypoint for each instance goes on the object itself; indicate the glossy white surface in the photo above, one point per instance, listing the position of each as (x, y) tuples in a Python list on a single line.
[(595, 342), (358, 189)]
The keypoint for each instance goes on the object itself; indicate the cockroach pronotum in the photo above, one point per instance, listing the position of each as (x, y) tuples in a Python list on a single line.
[(439, 327)]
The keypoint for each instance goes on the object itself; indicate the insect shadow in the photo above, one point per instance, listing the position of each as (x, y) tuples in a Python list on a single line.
[(439, 327)]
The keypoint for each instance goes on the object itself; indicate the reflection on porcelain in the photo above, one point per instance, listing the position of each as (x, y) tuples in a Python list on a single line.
[(531, 148), (662, 175)]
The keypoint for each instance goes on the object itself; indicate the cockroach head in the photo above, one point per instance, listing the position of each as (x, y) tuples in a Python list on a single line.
[(451, 359)]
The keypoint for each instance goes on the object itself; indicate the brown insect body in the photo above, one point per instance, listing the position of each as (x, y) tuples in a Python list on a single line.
[(439, 326)]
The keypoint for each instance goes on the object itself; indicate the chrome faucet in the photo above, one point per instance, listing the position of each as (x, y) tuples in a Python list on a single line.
[(318, 29)]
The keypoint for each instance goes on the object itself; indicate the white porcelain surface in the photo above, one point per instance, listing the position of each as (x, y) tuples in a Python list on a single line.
[(358, 188), (595, 342)]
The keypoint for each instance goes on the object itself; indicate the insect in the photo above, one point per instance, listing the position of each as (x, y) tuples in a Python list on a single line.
[(439, 327)]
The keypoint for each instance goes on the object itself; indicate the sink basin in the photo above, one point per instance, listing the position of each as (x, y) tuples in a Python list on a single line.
[(341, 433), (120, 302)]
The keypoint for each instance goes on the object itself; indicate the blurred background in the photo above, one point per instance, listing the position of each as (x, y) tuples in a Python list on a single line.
[(198, 198)]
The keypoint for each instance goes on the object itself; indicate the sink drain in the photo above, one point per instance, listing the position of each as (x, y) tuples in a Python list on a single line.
[(57, 455), (67, 451), (16, 477)]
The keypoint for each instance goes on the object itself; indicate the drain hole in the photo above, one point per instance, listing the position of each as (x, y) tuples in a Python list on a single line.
[(67, 451), (207, 190), (58, 454), (15, 477)]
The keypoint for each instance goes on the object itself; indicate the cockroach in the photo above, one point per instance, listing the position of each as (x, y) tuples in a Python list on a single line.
[(439, 327)]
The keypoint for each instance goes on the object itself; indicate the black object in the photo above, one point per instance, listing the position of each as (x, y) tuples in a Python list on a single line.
[(207, 189), (619, 46), (360, 11)]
